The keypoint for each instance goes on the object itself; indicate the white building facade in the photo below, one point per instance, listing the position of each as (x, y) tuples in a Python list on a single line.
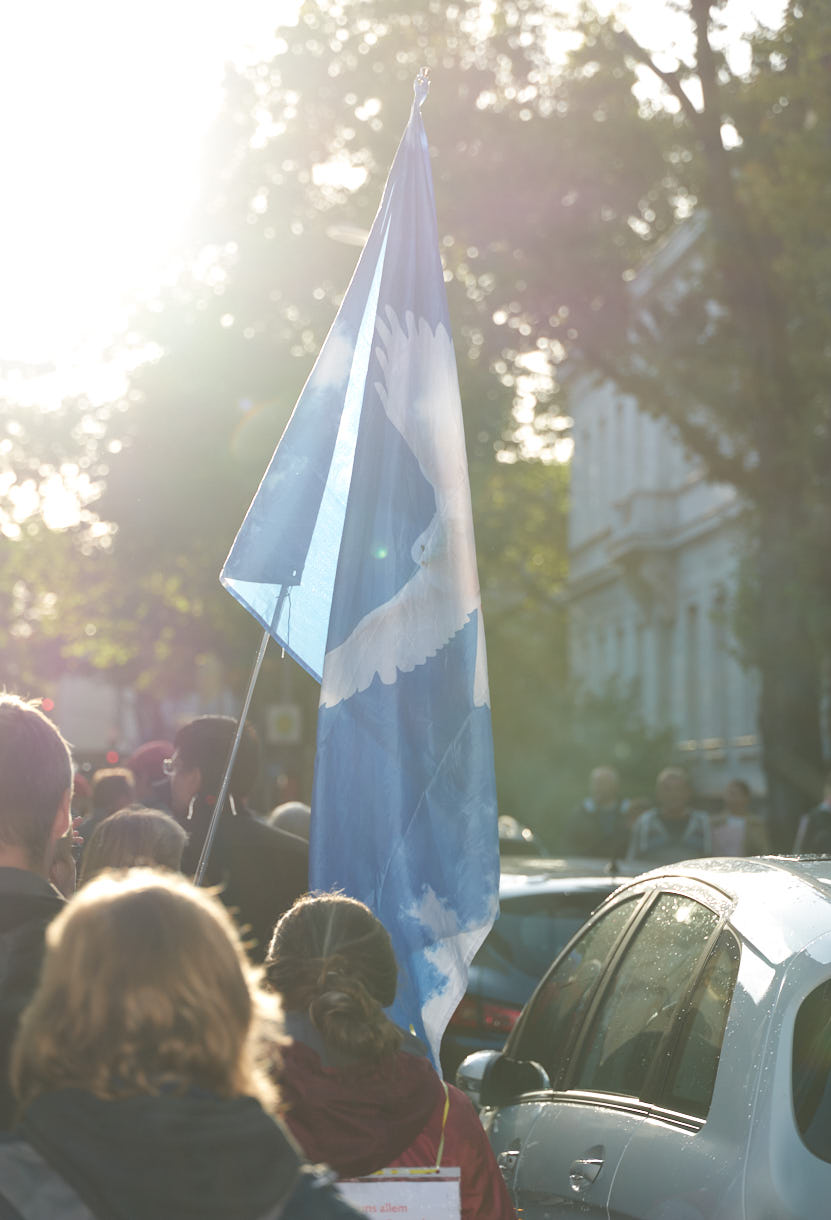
[(654, 554)]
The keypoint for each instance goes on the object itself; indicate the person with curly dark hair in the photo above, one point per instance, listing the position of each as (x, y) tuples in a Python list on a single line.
[(358, 1095)]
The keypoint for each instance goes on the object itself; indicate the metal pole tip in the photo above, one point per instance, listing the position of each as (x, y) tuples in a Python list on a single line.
[(421, 86)]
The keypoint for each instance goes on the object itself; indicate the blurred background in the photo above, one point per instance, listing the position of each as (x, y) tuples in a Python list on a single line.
[(633, 208)]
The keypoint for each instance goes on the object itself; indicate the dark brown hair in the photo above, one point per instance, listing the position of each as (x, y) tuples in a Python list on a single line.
[(206, 743), (333, 960), (35, 772), (112, 788)]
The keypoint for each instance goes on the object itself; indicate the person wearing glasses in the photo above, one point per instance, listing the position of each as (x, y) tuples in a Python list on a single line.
[(261, 870)]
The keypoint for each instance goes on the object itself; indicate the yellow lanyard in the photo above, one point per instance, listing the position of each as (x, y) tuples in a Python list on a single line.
[(443, 1123)]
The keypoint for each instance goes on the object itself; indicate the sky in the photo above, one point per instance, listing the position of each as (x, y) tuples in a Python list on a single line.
[(104, 106)]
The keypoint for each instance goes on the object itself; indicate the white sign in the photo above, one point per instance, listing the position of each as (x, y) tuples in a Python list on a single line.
[(418, 1194)]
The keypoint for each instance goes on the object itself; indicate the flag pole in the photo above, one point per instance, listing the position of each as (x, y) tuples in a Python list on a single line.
[(226, 779)]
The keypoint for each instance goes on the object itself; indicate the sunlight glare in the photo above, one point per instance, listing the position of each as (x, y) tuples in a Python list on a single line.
[(110, 104)]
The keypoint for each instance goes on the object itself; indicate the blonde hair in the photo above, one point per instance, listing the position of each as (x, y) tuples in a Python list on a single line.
[(134, 837), (332, 959), (145, 986)]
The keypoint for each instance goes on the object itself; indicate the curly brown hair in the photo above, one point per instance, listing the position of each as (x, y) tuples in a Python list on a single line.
[(145, 986), (333, 960)]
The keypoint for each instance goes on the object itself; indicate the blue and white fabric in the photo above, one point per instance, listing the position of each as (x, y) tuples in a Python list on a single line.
[(358, 555)]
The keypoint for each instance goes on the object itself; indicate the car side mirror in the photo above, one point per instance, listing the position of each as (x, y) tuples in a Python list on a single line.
[(471, 1073), (490, 1078)]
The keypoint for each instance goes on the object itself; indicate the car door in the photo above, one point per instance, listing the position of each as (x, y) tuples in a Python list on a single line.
[(568, 1163), (687, 1160), (550, 1025)]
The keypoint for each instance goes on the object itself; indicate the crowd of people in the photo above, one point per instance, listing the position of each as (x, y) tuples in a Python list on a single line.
[(167, 1052), (669, 827)]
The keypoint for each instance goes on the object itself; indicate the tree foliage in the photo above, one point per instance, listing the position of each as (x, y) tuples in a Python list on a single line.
[(736, 352), (554, 182)]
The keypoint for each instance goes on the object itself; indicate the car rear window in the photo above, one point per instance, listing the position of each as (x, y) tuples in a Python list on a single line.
[(555, 1015), (695, 1060), (811, 1076), (531, 930), (640, 1004)]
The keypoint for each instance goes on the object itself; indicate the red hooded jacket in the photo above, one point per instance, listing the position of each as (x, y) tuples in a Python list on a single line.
[(362, 1117)]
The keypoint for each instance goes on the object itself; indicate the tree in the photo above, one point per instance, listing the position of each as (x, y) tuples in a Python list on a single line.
[(294, 170), (738, 358)]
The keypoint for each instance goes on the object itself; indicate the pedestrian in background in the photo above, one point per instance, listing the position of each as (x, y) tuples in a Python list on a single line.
[(598, 826), (112, 788), (736, 830), (813, 836), (152, 787), (672, 830), (261, 870)]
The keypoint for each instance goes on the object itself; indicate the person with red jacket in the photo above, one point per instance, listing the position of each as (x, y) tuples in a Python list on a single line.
[(356, 1096)]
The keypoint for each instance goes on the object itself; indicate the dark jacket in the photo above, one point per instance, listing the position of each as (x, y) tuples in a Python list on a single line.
[(359, 1117), (601, 832), (28, 903), (262, 870), (816, 839), (191, 1157)]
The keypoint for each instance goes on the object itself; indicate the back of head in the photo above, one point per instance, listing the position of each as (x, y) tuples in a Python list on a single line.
[(333, 960), (294, 817), (133, 837), (145, 987), (147, 762), (206, 743), (112, 788), (604, 785), (147, 765), (35, 775)]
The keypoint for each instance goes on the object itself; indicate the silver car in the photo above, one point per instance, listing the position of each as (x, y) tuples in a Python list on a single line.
[(675, 1061)]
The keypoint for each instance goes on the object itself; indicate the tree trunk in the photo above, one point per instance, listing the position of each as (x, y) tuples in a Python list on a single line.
[(789, 708)]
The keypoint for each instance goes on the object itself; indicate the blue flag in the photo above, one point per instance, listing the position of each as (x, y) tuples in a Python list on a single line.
[(357, 553)]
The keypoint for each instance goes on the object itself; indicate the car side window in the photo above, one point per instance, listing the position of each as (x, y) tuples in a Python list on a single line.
[(563, 998), (695, 1060), (811, 1075), (638, 1007)]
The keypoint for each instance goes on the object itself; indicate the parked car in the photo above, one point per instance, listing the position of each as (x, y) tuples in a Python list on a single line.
[(675, 1061), (542, 904), (518, 840)]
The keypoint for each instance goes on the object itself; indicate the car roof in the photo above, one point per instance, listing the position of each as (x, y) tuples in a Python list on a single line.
[(778, 903), (526, 875)]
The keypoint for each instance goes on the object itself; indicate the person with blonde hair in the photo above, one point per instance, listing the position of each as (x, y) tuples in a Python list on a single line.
[(133, 837), (357, 1096), (136, 1074)]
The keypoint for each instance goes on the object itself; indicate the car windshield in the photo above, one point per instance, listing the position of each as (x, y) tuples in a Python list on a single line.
[(531, 930)]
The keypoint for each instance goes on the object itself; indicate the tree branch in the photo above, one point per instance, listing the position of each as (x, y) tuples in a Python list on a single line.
[(671, 79)]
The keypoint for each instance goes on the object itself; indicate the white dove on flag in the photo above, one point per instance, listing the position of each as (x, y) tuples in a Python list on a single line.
[(420, 397)]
